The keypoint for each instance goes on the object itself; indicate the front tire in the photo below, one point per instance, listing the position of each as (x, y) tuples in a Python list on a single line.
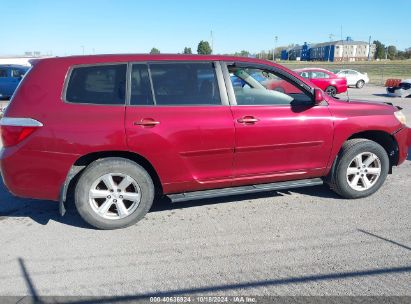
[(360, 170), (360, 84), (114, 193)]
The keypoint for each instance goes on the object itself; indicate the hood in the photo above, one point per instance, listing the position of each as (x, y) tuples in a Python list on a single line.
[(367, 106)]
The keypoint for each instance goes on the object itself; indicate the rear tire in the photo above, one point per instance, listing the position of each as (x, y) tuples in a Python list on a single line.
[(331, 90), (360, 169), (360, 84), (114, 193)]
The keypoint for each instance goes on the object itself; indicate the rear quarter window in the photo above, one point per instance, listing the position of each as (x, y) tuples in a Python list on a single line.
[(100, 84)]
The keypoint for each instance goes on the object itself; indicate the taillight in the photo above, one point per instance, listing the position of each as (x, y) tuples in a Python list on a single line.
[(15, 130)]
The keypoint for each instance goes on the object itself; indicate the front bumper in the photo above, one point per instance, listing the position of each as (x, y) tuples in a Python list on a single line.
[(398, 93), (403, 138)]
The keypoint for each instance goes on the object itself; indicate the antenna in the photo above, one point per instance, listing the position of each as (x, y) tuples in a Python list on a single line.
[(212, 42)]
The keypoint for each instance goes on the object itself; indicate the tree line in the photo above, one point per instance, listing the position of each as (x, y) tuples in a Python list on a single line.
[(390, 52), (203, 48), (381, 52)]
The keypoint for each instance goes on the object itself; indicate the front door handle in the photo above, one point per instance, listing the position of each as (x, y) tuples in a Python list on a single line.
[(147, 122), (248, 120)]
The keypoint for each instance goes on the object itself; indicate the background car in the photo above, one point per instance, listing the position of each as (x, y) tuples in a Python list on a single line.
[(402, 90), (270, 82), (2, 110), (354, 78), (325, 80), (10, 77)]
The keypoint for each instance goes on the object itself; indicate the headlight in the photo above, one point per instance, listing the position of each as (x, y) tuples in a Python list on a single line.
[(401, 117)]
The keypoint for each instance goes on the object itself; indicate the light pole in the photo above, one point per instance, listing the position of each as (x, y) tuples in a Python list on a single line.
[(329, 47), (369, 48), (275, 46)]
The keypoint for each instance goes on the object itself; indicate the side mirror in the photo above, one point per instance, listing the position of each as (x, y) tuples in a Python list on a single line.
[(318, 96)]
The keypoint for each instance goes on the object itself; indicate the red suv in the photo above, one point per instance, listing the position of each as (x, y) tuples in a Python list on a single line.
[(120, 129)]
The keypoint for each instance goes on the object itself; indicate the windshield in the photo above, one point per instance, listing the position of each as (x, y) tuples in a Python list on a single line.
[(405, 85)]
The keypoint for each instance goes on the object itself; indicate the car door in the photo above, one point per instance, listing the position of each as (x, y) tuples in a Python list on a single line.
[(279, 135), (16, 76), (179, 119), (352, 77), (5, 82), (343, 74)]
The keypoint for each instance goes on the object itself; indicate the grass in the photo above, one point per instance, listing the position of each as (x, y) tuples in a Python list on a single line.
[(378, 71)]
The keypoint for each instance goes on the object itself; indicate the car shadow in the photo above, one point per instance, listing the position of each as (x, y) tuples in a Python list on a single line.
[(386, 95), (409, 154), (42, 211), (382, 95)]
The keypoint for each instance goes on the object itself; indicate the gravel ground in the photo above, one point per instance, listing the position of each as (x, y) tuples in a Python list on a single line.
[(300, 242)]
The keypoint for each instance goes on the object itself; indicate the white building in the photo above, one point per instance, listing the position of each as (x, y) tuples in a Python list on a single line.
[(342, 50)]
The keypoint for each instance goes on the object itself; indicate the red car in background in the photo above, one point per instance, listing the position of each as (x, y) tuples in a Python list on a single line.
[(325, 80)]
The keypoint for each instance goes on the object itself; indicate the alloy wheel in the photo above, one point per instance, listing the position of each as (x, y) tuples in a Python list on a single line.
[(331, 91), (114, 196), (363, 171)]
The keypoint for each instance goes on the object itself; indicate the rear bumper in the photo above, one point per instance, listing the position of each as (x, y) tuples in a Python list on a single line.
[(34, 174), (403, 138), (341, 89)]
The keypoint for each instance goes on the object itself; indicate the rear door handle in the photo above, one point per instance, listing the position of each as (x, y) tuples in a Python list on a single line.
[(248, 120), (147, 122)]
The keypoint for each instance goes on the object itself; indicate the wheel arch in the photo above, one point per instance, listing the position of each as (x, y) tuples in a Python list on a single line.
[(386, 140), (84, 161)]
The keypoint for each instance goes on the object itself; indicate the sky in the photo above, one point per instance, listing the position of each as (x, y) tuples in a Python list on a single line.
[(67, 27)]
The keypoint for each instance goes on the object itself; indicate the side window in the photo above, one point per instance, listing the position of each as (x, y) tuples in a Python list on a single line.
[(325, 75), (185, 84), (236, 81), (405, 85), (17, 73), (264, 88), (141, 93), (319, 75), (3, 73), (100, 84)]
